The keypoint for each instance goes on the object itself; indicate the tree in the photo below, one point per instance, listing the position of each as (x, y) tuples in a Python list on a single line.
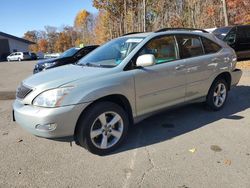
[(52, 35), (43, 45), (33, 37), (83, 24), (101, 32), (63, 42), (238, 11)]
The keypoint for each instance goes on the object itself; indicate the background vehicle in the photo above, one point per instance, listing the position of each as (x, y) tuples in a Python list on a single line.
[(238, 37), (70, 56), (33, 56), (124, 81), (18, 56)]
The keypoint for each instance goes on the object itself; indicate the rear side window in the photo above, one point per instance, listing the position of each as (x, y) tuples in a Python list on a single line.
[(210, 46), (163, 48), (189, 46), (25, 53)]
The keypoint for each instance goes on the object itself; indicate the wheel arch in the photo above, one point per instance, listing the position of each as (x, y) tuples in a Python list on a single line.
[(118, 99), (226, 76)]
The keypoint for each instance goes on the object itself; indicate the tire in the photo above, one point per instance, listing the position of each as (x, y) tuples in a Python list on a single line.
[(102, 128), (217, 95), (8, 59), (19, 59)]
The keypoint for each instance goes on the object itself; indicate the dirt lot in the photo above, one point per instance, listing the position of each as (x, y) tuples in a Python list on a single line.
[(186, 147), (244, 65)]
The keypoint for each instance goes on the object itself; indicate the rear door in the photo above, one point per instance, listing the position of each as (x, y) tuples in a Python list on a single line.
[(199, 64), (162, 84)]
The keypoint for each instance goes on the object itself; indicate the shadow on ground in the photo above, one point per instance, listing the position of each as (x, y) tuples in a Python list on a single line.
[(173, 123)]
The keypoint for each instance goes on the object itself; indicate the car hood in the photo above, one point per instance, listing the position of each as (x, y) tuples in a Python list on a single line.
[(51, 60), (57, 77)]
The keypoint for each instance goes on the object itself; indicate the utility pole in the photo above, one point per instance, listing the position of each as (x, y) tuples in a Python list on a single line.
[(144, 12), (225, 12)]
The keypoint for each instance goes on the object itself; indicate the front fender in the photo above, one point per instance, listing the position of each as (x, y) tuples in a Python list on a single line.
[(92, 90)]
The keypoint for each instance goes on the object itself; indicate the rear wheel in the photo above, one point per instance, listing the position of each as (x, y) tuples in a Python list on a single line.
[(19, 59), (217, 95), (102, 128)]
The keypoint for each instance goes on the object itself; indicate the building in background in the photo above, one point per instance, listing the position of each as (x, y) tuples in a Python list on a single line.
[(10, 43)]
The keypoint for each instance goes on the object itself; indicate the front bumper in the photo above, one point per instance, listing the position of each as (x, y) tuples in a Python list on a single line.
[(236, 75), (28, 117)]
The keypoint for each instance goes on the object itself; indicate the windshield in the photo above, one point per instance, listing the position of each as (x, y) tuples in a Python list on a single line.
[(221, 32), (68, 53), (112, 53)]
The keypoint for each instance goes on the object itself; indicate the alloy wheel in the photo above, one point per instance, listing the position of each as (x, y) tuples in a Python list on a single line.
[(106, 130), (220, 94)]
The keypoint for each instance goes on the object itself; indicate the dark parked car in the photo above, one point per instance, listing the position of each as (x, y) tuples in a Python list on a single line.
[(70, 56), (33, 56), (238, 37)]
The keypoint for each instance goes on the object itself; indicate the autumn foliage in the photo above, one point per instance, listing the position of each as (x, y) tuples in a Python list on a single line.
[(117, 17)]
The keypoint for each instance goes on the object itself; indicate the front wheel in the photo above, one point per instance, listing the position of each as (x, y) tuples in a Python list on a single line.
[(19, 59), (217, 94), (102, 128)]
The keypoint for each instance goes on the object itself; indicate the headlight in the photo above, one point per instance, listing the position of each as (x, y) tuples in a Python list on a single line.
[(47, 65), (51, 98)]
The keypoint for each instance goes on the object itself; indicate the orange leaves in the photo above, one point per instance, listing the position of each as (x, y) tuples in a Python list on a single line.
[(42, 45), (239, 11), (211, 10), (63, 42), (81, 18), (100, 28)]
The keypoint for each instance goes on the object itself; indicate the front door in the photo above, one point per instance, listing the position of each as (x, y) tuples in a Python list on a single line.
[(162, 84)]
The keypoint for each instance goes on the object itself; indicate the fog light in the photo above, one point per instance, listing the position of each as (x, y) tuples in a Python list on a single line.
[(47, 127)]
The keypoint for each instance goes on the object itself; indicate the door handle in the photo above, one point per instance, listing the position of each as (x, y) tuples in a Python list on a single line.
[(179, 67)]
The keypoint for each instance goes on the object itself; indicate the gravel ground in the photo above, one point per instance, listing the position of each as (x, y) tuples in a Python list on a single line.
[(243, 65), (186, 147)]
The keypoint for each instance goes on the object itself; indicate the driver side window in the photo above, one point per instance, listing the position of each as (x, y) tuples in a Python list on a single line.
[(164, 49)]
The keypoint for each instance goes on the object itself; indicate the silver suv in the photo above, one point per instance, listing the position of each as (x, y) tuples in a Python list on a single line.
[(124, 81)]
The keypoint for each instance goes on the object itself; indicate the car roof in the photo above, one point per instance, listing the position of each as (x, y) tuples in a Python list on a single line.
[(168, 32)]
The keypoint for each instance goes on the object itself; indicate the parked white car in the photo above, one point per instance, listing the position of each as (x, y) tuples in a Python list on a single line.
[(19, 56)]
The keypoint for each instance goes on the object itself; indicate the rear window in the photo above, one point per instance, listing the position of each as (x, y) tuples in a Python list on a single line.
[(210, 46)]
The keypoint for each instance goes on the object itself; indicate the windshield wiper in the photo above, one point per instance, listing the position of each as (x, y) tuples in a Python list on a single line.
[(79, 64), (98, 65)]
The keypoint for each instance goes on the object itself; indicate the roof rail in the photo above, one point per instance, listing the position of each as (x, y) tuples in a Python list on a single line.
[(181, 28), (131, 33)]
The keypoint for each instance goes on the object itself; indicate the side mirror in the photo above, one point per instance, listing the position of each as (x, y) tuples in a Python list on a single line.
[(145, 60)]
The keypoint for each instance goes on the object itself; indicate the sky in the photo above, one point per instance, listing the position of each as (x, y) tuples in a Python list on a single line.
[(19, 16)]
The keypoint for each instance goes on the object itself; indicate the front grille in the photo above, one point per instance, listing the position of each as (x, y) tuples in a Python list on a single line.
[(22, 91)]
